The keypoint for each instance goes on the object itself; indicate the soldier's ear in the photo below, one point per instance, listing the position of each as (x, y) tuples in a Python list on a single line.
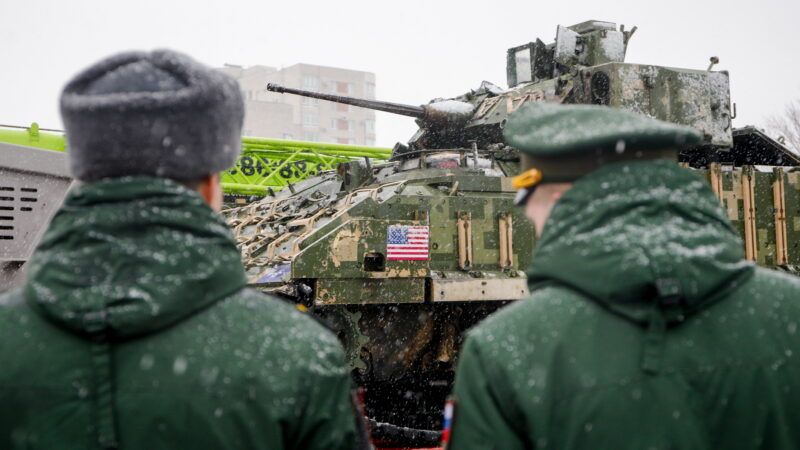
[(211, 190)]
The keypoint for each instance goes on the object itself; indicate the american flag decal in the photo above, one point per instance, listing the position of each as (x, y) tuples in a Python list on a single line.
[(407, 243)]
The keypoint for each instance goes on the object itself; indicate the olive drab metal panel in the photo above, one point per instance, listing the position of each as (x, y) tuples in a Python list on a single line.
[(763, 204)]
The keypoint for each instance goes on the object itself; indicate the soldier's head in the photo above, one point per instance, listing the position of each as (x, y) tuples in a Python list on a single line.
[(159, 114), (559, 144)]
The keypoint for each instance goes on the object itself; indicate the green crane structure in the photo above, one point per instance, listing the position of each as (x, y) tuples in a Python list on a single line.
[(266, 165)]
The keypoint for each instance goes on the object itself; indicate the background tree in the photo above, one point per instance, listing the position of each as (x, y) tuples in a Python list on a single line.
[(787, 125)]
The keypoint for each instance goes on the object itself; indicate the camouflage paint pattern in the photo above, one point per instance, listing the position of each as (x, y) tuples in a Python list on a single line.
[(763, 204), (323, 243), (333, 240)]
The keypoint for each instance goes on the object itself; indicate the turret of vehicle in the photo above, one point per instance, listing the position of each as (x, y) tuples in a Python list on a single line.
[(586, 65)]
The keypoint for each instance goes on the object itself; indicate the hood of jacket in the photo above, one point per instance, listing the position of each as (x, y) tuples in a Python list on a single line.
[(129, 256), (637, 234)]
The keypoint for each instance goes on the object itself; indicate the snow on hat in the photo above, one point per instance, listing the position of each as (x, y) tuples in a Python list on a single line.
[(566, 142), (157, 113)]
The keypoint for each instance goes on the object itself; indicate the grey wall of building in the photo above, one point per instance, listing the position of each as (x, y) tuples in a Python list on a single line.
[(33, 183), (283, 116)]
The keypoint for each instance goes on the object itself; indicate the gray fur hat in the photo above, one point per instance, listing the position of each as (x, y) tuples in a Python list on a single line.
[(159, 113)]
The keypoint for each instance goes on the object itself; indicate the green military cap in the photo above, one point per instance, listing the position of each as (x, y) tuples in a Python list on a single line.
[(564, 142)]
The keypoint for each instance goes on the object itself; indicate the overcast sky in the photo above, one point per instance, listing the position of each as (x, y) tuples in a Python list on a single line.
[(417, 49)]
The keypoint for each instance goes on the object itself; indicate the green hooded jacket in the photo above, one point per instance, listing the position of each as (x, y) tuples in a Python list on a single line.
[(135, 331), (645, 329)]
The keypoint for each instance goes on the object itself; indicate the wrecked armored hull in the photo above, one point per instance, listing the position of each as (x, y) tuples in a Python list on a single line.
[(401, 267), (399, 259)]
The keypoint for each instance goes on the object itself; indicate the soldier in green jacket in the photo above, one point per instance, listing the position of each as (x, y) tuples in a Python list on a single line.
[(135, 329), (646, 328)]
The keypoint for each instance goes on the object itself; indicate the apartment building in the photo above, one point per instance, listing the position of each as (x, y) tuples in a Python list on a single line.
[(286, 116)]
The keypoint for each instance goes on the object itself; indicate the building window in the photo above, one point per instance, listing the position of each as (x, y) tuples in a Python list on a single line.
[(343, 88), (341, 107), (310, 120), (370, 142), (349, 141), (310, 137), (310, 82), (369, 90), (369, 126), (310, 102), (341, 124), (287, 136)]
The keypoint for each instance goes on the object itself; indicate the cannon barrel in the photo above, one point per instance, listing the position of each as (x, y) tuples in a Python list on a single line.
[(394, 108)]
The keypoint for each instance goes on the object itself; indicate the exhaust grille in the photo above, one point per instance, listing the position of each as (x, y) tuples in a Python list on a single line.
[(11, 199)]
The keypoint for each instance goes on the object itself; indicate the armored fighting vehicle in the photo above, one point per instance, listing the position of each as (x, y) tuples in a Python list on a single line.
[(400, 258)]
